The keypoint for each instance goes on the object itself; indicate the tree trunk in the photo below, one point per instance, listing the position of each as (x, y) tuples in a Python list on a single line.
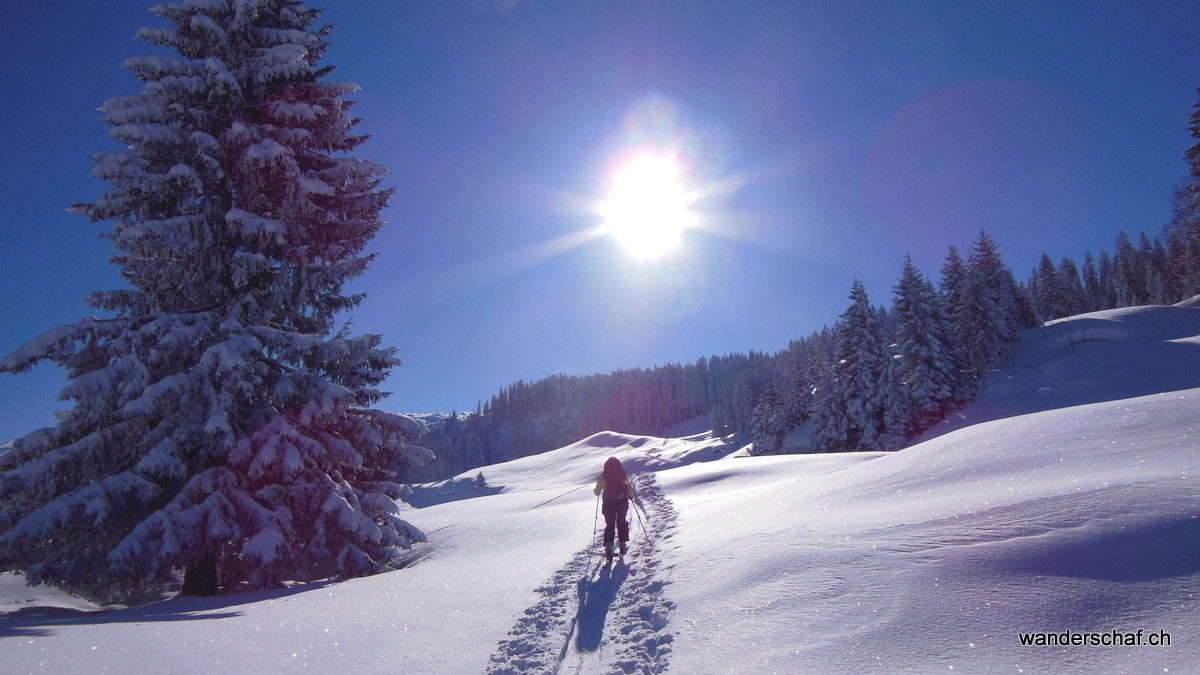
[(201, 577)]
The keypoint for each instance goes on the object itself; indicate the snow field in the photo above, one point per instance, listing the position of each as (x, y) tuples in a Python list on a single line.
[(1090, 358), (1082, 519), (443, 615), (1076, 519), (935, 558), (600, 618)]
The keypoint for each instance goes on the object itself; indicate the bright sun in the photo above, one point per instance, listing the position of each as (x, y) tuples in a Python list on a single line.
[(649, 206)]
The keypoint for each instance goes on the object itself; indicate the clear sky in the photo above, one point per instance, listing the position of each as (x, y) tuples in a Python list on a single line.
[(825, 139)]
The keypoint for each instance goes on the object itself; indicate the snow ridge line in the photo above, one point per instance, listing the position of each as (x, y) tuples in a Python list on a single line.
[(625, 602)]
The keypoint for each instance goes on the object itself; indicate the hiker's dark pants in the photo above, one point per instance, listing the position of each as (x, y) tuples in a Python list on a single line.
[(615, 511)]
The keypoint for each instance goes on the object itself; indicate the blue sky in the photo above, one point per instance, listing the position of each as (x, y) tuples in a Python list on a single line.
[(837, 136)]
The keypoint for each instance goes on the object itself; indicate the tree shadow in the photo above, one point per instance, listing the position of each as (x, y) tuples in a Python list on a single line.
[(450, 490), (42, 620), (594, 603)]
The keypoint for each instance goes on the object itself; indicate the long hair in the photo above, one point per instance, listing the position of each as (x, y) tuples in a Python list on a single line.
[(614, 473)]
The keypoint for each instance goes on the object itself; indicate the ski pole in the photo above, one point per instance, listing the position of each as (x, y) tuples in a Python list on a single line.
[(639, 517), (595, 522)]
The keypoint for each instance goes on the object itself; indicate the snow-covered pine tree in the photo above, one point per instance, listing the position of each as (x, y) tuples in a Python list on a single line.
[(1092, 290), (748, 385), (926, 369), (219, 420), (1154, 266), (1107, 290), (1129, 273), (953, 286), (1046, 288), (1183, 237), (1072, 284), (894, 413), (1183, 244), (828, 412), (988, 311), (796, 370), (766, 428), (1024, 315), (863, 367)]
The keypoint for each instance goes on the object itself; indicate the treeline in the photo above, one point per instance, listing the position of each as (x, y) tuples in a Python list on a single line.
[(1152, 273), (531, 417), (875, 380), (881, 376)]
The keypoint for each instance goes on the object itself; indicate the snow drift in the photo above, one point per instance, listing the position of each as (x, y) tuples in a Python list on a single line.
[(1101, 356)]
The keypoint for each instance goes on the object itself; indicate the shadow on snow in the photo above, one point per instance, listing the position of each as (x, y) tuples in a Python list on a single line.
[(595, 600), (1138, 554), (41, 620)]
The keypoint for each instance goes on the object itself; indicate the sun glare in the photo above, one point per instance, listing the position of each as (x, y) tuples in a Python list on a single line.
[(649, 206)]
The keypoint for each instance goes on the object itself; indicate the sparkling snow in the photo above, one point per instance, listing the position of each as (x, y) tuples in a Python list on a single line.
[(1066, 498)]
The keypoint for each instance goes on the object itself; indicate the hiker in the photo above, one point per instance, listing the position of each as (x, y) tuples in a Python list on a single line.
[(616, 490)]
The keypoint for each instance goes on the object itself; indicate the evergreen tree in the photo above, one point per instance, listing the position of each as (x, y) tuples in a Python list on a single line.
[(1107, 290), (1153, 260), (1128, 274), (1183, 254), (1023, 314), (1183, 236), (720, 417), (1075, 296), (769, 423), (892, 398), (953, 285), (748, 386), (797, 371), (991, 312), (1091, 284), (863, 367), (925, 369), (828, 413), (219, 422), (1049, 296)]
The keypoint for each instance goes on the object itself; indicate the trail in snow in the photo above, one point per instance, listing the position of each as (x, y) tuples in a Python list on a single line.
[(599, 618)]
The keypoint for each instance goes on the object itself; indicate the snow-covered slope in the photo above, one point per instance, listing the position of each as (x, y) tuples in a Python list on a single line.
[(574, 465), (1101, 356), (1083, 518)]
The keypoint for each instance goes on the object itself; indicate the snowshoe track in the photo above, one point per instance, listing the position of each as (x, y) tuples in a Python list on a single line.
[(597, 619)]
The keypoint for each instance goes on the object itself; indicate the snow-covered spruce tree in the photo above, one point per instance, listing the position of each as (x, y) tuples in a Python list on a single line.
[(1072, 284), (864, 371), (953, 286), (219, 422), (926, 370), (1048, 293), (1183, 237), (828, 411), (1129, 273), (1093, 292), (1154, 262), (987, 307), (769, 422)]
